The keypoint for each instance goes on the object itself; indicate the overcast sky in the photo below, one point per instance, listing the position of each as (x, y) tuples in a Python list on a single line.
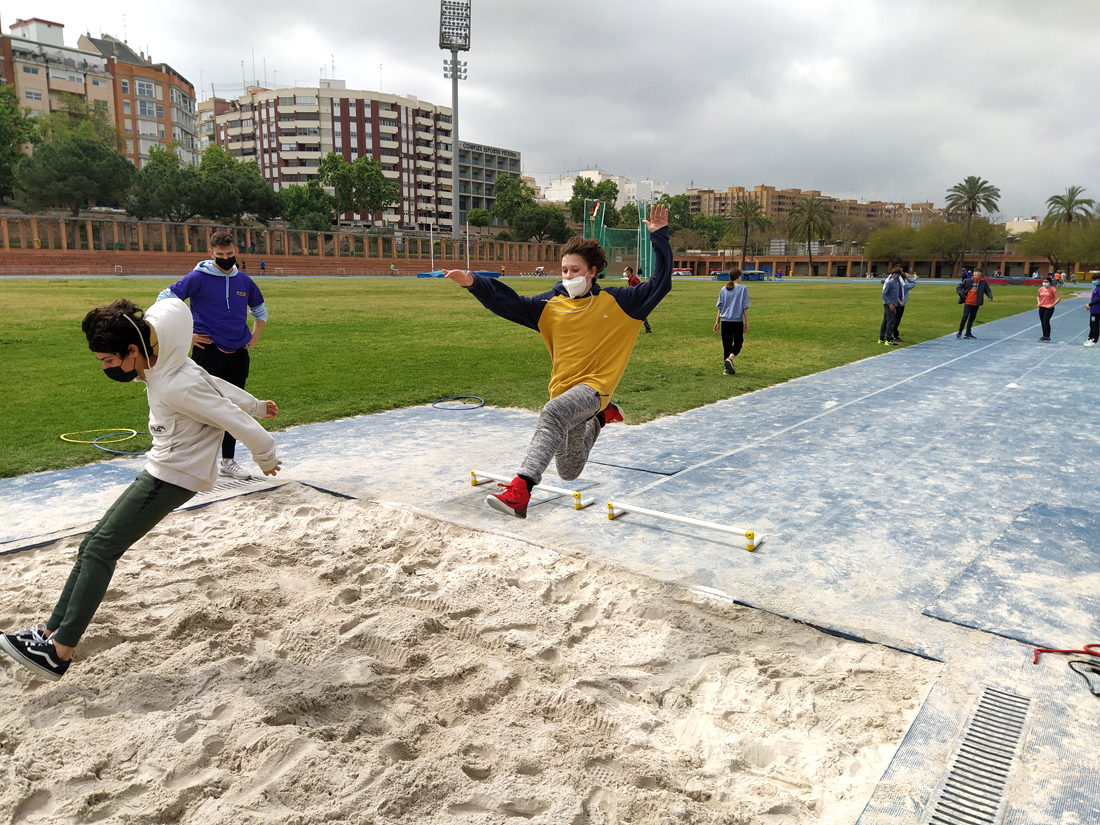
[(872, 99)]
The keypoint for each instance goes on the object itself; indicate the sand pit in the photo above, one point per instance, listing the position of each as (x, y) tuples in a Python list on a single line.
[(290, 657)]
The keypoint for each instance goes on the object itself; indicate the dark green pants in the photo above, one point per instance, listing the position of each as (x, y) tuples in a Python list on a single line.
[(137, 511)]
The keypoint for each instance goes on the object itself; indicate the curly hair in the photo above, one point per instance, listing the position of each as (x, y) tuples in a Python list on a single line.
[(587, 248), (222, 238), (108, 330)]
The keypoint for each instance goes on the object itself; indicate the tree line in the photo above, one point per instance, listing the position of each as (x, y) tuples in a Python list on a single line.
[(76, 162)]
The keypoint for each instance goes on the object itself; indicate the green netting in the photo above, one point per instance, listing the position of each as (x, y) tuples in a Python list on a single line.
[(623, 247)]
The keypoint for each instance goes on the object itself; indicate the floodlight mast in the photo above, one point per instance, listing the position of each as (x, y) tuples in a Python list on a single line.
[(454, 36)]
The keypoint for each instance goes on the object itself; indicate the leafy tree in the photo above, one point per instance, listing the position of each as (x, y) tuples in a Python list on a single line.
[(971, 197), (479, 217), (512, 195), (629, 217), (73, 172), (308, 207), (810, 219), (749, 213), (679, 211), (893, 244), (164, 188), (231, 189), (988, 240), (541, 224), (1070, 207), (1054, 241), (360, 186), (76, 116), (710, 228), (940, 239), (1082, 243), (606, 191), (684, 239), (16, 129)]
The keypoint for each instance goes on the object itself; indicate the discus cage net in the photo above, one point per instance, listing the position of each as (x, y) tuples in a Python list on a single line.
[(623, 247)]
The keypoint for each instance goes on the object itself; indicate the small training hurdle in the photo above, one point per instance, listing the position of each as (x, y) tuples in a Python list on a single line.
[(481, 477), (617, 508)]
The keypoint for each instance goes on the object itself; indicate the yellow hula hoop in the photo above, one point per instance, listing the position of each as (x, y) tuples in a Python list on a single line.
[(118, 430)]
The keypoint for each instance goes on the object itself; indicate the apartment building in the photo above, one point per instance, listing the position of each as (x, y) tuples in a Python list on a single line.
[(777, 203), (44, 70), (207, 112), (479, 167), (288, 131), (155, 104)]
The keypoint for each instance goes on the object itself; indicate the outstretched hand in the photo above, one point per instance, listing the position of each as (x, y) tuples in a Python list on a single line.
[(658, 217), (460, 277)]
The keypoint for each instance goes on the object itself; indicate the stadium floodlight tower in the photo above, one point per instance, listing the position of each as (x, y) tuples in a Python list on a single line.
[(454, 36)]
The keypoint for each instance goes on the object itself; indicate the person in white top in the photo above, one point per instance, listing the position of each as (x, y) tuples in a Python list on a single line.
[(189, 412)]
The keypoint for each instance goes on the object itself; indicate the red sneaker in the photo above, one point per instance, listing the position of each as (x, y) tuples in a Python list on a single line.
[(609, 415), (513, 500)]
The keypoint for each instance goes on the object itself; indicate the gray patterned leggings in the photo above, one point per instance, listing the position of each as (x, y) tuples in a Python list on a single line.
[(566, 432)]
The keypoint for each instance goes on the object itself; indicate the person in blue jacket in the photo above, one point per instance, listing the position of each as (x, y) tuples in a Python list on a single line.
[(906, 282), (590, 333), (1094, 313), (221, 298), (890, 297)]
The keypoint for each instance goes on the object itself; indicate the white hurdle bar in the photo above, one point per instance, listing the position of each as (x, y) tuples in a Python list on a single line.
[(617, 508), (481, 477)]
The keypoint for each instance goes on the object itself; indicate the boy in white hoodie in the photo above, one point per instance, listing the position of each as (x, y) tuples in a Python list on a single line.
[(189, 411)]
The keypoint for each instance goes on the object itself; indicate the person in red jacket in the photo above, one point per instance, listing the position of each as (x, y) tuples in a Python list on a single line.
[(634, 280)]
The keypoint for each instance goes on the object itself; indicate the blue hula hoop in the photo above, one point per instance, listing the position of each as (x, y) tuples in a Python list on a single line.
[(98, 446), (461, 406)]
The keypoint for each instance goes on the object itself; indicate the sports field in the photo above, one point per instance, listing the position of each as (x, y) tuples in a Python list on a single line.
[(341, 347)]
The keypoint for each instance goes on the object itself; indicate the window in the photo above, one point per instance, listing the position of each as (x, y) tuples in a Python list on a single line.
[(98, 82), (126, 87), (100, 105), (160, 112), (30, 70), (143, 88), (147, 109), (286, 101), (129, 124), (34, 94), (305, 100)]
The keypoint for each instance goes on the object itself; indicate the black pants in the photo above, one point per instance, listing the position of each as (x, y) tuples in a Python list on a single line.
[(969, 314), (1044, 319), (900, 311), (228, 366), (1094, 327), (886, 331), (733, 336)]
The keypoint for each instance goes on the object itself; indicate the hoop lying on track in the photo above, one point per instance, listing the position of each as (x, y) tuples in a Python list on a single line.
[(481, 477), (617, 508)]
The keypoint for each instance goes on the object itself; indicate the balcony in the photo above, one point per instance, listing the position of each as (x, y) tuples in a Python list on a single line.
[(388, 144), (428, 179), (424, 121), (387, 130), (425, 164), (392, 174)]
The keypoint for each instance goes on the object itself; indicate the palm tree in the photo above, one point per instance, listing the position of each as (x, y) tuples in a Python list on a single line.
[(1070, 207), (750, 214), (810, 218), (972, 196)]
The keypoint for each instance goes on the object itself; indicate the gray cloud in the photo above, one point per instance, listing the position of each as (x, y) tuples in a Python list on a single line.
[(889, 99)]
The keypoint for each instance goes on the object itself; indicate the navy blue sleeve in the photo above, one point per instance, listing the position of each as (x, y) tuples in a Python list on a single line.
[(500, 299), (639, 301)]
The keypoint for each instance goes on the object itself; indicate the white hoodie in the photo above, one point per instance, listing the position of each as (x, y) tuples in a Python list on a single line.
[(190, 410)]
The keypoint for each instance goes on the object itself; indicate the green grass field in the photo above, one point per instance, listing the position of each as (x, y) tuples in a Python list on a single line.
[(341, 347)]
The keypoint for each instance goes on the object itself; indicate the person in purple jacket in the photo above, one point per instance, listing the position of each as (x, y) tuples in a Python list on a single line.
[(221, 299)]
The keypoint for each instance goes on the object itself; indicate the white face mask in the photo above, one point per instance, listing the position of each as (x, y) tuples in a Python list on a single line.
[(576, 287)]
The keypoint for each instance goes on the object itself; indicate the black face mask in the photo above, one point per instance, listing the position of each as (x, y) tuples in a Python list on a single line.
[(226, 263), (119, 374)]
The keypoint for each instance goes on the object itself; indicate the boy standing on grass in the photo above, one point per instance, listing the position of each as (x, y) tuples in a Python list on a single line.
[(590, 333), (974, 291), (890, 292), (189, 412), (222, 296)]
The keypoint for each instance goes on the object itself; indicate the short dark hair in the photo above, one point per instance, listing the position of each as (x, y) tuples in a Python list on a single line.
[(897, 270), (115, 327), (587, 248), (223, 237), (630, 269)]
